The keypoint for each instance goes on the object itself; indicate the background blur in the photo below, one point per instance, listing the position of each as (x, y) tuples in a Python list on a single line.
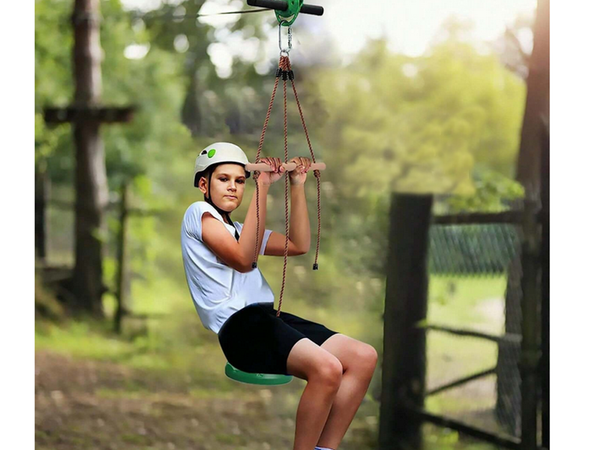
[(410, 97)]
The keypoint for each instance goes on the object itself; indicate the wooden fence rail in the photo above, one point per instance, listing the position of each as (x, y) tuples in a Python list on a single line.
[(509, 338)]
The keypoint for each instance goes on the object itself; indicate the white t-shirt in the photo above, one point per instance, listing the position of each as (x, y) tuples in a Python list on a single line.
[(218, 290)]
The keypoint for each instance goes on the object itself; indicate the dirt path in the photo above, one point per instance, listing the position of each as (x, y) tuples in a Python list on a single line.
[(83, 404)]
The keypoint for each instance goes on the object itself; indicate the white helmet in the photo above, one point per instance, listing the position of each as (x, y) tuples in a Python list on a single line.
[(218, 153)]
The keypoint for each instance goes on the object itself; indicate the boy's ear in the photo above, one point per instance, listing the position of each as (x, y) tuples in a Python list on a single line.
[(200, 184)]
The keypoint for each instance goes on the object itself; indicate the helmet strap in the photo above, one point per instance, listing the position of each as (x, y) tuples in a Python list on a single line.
[(222, 212)]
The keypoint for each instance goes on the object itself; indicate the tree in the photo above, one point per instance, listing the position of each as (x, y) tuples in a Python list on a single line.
[(412, 124), (192, 39), (537, 105), (511, 47), (130, 150)]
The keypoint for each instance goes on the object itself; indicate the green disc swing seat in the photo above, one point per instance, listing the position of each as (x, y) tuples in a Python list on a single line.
[(269, 379)]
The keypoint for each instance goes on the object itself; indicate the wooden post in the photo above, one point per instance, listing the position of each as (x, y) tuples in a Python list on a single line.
[(508, 392), (404, 357), (528, 172), (545, 261), (91, 185), (122, 269), (42, 192), (530, 307)]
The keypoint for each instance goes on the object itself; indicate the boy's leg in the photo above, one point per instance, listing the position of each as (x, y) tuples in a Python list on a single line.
[(323, 373), (359, 361)]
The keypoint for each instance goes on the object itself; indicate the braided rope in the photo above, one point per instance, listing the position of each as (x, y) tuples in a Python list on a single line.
[(256, 172), (285, 65), (287, 220), (316, 172)]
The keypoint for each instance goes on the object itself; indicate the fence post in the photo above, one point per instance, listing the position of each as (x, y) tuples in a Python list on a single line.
[(545, 260), (42, 192), (404, 357), (508, 392), (530, 307), (122, 272)]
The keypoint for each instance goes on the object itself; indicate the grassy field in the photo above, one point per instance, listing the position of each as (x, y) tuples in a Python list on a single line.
[(97, 391), (475, 304), (161, 385)]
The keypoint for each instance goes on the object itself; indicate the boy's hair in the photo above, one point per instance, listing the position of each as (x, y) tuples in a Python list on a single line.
[(205, 174)]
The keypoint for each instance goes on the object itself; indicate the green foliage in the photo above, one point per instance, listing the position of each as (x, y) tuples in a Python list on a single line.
[(394, 123), (47, 140), (52, 75), (446, 122), (212, 105), (155, 151), (136, 152), (492, 192), (53, 43)]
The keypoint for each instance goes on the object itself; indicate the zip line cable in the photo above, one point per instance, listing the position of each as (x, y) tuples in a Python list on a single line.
[(196, 16)]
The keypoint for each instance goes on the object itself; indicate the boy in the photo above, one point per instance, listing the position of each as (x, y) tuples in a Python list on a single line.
[(235, 301)]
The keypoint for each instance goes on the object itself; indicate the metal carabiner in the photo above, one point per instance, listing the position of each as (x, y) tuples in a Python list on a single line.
[(287, 50)]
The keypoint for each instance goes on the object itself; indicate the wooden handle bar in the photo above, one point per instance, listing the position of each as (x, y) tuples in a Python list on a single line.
[(262, 167)]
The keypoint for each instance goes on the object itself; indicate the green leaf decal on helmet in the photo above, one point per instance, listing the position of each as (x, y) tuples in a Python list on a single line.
[(211, 152)]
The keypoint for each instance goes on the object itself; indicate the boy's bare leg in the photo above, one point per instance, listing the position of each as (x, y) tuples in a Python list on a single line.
[(324, 374), (313, 410), (345, 405), (359, 361)]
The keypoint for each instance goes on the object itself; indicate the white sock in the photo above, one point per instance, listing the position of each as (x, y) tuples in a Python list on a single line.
[(323, 448)]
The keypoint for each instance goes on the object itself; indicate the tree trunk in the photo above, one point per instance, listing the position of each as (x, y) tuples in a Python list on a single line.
[(538, 101), (191, 113), (528, 174), (91, 185)]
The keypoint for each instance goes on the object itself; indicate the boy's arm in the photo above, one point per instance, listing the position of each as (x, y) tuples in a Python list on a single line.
[(247, 239), (299, 242), (300, 223)]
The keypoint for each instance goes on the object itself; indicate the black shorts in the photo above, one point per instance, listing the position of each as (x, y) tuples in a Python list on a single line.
[(254, 340)]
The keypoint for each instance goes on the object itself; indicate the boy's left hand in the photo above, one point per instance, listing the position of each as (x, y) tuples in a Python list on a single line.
[(298, 175)]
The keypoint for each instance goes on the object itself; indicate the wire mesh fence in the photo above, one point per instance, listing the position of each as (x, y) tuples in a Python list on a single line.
[(474, 324)]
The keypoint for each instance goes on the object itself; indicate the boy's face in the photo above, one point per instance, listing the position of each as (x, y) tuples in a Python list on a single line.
[(227, 180)]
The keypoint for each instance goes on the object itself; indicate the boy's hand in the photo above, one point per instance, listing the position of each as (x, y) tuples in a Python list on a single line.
[(298, 175), (267, 178)]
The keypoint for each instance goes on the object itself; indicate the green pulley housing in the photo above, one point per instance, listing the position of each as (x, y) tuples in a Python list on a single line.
[(287, 18), (286, 11)]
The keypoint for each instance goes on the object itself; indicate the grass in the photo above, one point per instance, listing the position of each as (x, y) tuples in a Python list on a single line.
[(453, 301), (472, 303), (174, 362)]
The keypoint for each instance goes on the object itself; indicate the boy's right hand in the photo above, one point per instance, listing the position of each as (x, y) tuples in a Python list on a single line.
[(268, 178)]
